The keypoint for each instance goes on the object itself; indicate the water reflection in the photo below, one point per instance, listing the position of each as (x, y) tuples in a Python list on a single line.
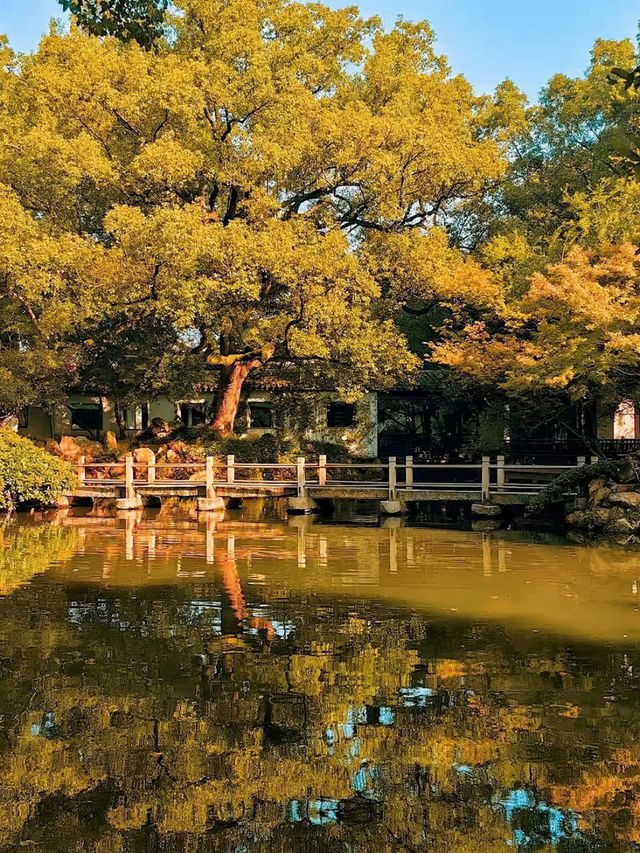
[(262, 686)]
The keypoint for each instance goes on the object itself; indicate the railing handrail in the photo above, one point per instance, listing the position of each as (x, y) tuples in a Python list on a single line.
[(205, 474)]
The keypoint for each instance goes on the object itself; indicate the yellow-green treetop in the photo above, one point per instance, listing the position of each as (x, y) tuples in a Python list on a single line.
[(264, 181), (575, 331)]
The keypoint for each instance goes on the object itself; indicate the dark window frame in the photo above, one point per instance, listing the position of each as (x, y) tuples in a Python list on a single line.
[(198, 408), (87, 424), (341, 415), (264, 408)]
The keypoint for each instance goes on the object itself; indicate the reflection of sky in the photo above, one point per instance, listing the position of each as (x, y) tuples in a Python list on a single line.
[(263, 611), (416, 697), (364, 780), (316, 812), (322, 811), (543, 823), (358, 717)]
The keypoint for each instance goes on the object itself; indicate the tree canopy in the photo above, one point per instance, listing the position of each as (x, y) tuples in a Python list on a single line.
[(292, 189), (561, 244), (268, 187)]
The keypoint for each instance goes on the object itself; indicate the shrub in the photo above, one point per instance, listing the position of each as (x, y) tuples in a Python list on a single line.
[(30, 474)]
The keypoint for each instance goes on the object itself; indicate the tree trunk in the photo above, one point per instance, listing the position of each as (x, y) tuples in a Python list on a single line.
[(232, 379)]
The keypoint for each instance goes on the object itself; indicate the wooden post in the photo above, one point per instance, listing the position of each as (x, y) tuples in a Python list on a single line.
[(408, 476), (501, 473), (581, 461), (128, 477), (231, 473), (211, 502), (210, 539), (300, 463), (393, 551), (210, 478), (80, 470), (393, 478), (486, 478), (151, 470), (322, 470)]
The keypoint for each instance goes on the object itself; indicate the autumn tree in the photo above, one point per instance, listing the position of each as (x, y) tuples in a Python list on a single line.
[(565, 184), (262, 184), (40, 306), (574, 336), (560, 238)]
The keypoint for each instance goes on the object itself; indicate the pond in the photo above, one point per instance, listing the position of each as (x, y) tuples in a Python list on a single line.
[(272, 685)]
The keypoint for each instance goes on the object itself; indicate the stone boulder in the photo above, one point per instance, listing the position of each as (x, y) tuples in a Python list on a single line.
[(623, 525), (143, 455), (607, 515), (93, 450), (52, 447), (630, 500), (596, 520), (70, 449), (596, 485), (110, 442), (486, 511), (600, 496), (620, 488), (577, 519)]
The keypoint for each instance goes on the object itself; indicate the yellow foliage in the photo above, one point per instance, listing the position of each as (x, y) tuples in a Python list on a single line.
[(575, 329), (274, 182)]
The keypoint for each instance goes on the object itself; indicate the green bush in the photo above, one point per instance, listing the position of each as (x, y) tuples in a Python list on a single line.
[(29, 474)]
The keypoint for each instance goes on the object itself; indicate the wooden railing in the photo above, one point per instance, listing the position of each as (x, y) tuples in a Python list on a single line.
[(480, 479)]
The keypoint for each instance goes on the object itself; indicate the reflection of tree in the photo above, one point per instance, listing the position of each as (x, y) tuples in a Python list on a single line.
[(134, 720), (233, 589), (29, 550)]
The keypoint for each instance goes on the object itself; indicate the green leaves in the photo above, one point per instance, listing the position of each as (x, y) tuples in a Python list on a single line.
[(28, 473), (625, 143), (631, 79), (128, 20), (627, 146)]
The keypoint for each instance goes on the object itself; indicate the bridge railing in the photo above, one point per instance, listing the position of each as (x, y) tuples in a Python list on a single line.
[(479, 479)]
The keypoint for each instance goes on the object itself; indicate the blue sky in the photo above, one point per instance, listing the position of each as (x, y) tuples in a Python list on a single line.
[(486, 40)]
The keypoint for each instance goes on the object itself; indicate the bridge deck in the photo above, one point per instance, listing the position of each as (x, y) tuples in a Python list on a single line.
[(410, 483)]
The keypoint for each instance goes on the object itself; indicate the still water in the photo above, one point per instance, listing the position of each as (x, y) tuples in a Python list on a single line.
[(297, 686)]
